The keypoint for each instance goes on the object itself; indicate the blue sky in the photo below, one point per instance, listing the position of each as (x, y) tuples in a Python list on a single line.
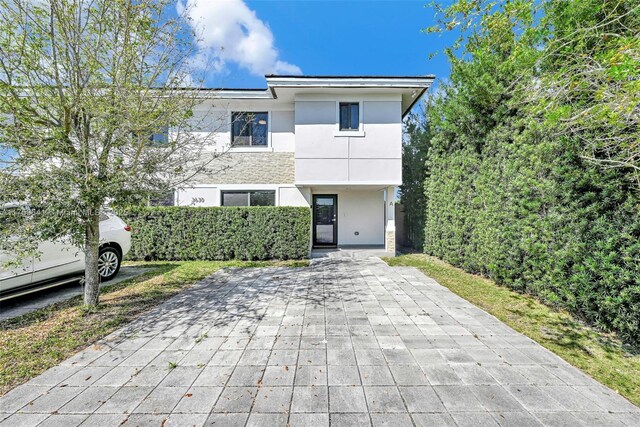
[(246, 39), (317, 37)]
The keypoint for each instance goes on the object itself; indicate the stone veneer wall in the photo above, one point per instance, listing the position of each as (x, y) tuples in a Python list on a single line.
[(251, 168), (390, 242)]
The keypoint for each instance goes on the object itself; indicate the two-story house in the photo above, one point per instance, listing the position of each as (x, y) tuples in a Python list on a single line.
[(332, 143)]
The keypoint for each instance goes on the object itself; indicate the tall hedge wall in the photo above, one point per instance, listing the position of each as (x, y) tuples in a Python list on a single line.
[(538, 219), (218, 233), (518, 187)]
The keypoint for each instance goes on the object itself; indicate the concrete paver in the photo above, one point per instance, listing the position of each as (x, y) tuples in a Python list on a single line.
[(345, 341)]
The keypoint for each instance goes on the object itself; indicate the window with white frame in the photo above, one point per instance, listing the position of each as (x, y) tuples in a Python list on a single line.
[(249, 129), (249, 198)]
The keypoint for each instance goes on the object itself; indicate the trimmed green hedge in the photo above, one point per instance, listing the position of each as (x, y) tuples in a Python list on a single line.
[(218, 233), (517, 185), (538, 219)]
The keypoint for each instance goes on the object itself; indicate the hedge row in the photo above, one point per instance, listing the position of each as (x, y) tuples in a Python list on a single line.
[(218, 233), (543, 222), (517, 191)]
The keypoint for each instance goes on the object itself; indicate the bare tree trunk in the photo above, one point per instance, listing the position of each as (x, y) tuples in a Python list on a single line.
[(91, 249)]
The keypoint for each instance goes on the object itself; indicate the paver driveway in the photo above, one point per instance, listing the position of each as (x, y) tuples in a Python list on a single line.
[(343, 342)]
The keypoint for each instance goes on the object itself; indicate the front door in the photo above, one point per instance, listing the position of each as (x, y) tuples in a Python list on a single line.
[(325, 220)]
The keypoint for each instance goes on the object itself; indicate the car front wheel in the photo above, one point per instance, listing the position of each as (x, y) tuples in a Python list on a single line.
[(108, 263)]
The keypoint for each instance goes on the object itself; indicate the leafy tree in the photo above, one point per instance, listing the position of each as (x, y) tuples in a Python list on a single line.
[(83, 87), (589, 85)]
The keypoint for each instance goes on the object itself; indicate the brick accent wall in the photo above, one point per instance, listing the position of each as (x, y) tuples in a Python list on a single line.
[(250, 168)]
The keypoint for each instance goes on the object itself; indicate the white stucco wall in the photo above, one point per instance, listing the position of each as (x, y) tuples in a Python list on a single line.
[(198, 196), (320, 171), (210, 195), (309, 128), (211, 121), (362, 212), (294, 196), (282, 128), (326, 155)]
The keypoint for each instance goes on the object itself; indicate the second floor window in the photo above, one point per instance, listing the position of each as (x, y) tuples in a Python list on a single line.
[(249, 129), (349, 116)]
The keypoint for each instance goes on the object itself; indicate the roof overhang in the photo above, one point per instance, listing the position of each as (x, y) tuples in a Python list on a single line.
[(348, 185), (349, 81), (225, 93), (411, 88)]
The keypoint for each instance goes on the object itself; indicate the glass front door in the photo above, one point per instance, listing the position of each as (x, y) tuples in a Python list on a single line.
[(325, 220)]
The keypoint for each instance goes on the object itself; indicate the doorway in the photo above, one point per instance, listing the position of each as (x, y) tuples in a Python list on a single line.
[(325, 220)]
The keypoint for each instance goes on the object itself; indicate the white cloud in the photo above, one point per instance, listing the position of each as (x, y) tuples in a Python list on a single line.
[(229, 31)]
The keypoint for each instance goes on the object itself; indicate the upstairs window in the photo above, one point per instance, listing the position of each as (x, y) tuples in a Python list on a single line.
[(248, 198), (249, 129), (349, 116)]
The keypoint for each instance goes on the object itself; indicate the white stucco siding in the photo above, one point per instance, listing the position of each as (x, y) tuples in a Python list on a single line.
[(361, 212), (315, 112), (282, 128), (382, 112), (211, 121), (326, 155), (211, 127), (332, 170), (378, 143), (378, 171), (198, 196), (315, 123), (294, 196), (204, 196), (383, 132)]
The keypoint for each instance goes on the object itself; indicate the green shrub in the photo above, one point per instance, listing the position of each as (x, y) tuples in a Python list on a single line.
[(543, 223), (218, 233), (516, 190)]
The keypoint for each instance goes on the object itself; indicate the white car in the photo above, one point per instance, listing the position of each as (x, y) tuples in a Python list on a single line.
[(59, 262)]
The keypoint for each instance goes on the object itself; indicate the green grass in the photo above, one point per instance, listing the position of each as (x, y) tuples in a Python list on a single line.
[(598, 354), (37, 341)]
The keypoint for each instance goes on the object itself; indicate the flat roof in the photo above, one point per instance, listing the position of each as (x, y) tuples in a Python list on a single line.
[(292, 76), (411, 87), (426, 77)]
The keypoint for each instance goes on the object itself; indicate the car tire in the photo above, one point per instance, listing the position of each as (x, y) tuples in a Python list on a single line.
[(109, 260)]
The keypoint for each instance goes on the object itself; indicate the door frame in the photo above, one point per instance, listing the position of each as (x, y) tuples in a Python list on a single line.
[(335, 223)]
